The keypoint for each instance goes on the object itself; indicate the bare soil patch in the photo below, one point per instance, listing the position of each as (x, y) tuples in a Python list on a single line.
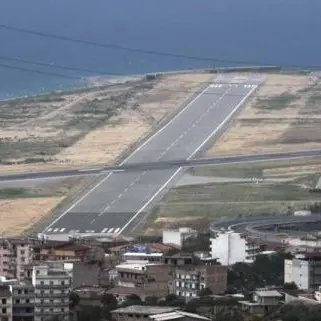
[(283, 115)]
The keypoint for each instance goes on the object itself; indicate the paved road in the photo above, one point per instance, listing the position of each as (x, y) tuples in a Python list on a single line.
[(119, 198), (162, 165), (254, 226)]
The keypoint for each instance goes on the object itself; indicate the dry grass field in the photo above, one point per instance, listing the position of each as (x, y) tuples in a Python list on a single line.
[(283, 115), (87, 128)]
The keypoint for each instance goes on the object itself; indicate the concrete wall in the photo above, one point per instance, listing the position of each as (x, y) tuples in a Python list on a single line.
[(229, 248)]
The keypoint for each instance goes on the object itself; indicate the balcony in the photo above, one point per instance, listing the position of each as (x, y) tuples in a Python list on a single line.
[(52, 295), (51, 304), (52, 286)]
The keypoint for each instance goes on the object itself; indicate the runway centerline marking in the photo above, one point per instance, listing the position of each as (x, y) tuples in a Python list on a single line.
[(190, 156)]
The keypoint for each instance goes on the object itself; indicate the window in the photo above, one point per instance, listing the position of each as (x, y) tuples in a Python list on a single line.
[(42, 282), (51, 282), (27, 301), (22, 259), (4, 310), (37, 272), (19, 292), (22, 252), (4, 301), (62, 282), (51, 309), (17, 301), (62, 310)]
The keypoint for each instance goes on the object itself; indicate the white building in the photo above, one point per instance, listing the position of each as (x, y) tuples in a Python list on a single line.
[(51, 293), (177, 237), (304, 270), (230, 247)]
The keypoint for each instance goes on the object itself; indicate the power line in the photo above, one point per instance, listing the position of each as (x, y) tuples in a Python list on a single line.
[(145, 51), (103, 73), (64, 67), (38, 71)]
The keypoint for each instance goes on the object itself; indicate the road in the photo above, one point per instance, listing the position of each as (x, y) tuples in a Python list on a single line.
[(254, 226), (241, 159), (119, 199)]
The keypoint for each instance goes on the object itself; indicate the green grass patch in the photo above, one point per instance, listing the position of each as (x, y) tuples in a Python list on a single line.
[(238, 192), (228, 210), (10, 193), (251, 170), (276, 103)]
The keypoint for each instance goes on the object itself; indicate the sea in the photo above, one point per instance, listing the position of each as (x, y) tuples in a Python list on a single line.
[(277, 32)]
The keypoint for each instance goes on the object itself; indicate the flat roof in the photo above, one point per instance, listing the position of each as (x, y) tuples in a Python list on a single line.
[(142, 254), (139, 266), (176, 315), (269, 293), (144, 309)]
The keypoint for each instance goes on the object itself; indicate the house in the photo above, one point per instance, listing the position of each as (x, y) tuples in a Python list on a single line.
[(139, 312), (188, 281), (62, 252), (263, 301)]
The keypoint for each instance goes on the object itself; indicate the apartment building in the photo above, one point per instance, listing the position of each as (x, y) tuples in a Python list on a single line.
[(52, 288), (229, 247), (188, 281), (23, 301), (14, 255), (304, 270), (5, 303)]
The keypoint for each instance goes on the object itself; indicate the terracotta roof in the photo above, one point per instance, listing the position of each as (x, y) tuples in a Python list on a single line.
[(67, 247)]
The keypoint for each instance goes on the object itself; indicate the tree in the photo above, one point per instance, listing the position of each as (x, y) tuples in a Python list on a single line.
[(73, 300), (151, 300), (205, 292), (290, 286), (109, 302), (191, 306)]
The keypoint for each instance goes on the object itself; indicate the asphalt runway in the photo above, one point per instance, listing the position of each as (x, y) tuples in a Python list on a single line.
[(119, 198)]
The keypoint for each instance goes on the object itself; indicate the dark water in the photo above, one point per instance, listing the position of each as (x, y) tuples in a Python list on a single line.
[(267, 31)]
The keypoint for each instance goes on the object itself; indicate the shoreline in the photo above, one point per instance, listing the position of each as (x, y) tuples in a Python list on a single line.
[(100, 81)]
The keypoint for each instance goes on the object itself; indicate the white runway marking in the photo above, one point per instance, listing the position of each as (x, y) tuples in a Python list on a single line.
[(104, 230), (117, 229), (110, 230)]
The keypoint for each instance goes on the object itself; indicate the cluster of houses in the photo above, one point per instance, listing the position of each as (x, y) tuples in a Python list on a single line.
[(37, 276)]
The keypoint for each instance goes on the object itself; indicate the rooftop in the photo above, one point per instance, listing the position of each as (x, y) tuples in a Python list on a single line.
[(268, 293), (144, 309), (176, 315), (143, 254), (181, 255), (135, 265)]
